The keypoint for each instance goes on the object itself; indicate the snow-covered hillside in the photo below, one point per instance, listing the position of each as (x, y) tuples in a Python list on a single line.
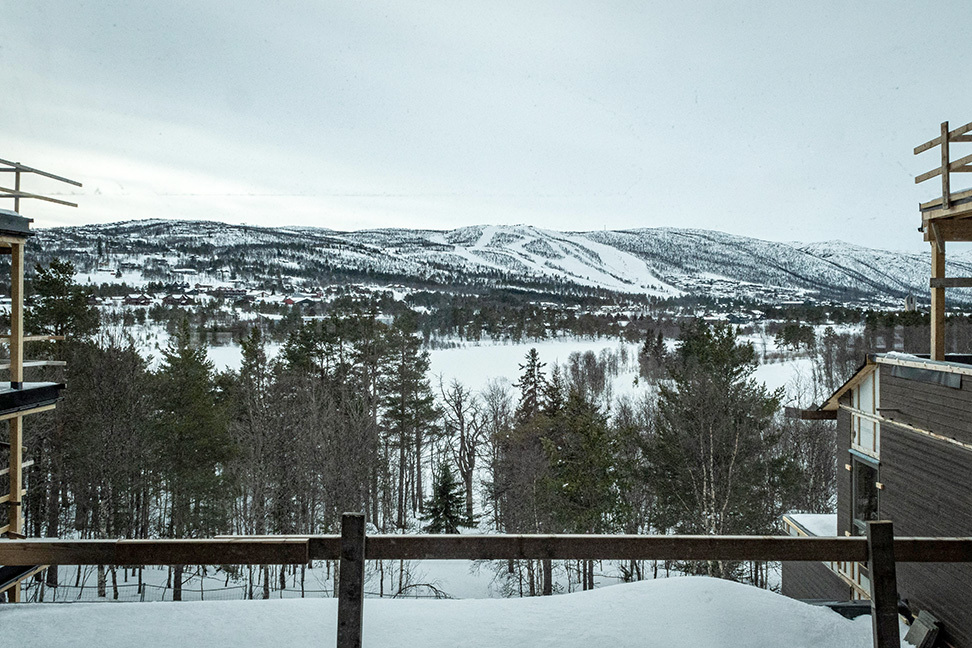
[(655, 262)]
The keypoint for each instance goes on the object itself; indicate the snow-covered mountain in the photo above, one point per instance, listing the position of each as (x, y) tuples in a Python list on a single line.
[(656, 262)]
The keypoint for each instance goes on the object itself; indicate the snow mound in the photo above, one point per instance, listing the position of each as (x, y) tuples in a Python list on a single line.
[(689, 612)]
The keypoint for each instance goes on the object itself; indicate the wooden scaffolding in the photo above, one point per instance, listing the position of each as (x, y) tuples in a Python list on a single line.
[(17, 397), (947, 218)]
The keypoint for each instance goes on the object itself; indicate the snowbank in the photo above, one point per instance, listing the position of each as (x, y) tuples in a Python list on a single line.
[(690, 612)]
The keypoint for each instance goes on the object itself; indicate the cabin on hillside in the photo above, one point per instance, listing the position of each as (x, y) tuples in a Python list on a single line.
[(904, 453), (904, 440)]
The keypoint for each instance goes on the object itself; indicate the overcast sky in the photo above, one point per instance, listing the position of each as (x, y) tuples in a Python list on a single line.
[(781, 120)]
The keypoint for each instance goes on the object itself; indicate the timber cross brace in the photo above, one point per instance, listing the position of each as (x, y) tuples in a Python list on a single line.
[(948, 218)]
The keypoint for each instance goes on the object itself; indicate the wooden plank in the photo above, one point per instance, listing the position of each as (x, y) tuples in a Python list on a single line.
[(884, 585), (6, 498), (16, 478), (937, 236), (951, 282), (938, 304), (243, 550), (811, 414), (937, 202), (16, 313), (351, 581), (154, 552), (26, 412), (957, 135), (26, 464), (35, 570), (23, 194), (35, 363), (953, 167), (946, 189), (611, 547), (36, 338), (26, 169)]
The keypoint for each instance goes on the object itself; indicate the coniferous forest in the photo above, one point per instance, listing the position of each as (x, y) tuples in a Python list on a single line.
[(347, 418)]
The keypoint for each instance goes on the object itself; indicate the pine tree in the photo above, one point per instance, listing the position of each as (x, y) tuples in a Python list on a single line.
[(714, 454), (60, 306), (409, 413), (194, 442), (445, 511), (531, 386)]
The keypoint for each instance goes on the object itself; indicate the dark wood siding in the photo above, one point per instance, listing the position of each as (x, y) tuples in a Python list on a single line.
[(843, 475), (813, 581), (928, 492), (936, 408)]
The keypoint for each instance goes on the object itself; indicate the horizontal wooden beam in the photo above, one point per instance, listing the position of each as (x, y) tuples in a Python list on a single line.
[(618, 547), (34, 338), (13, 193), (6, 498), (26, 412), (953, 136), (154, 552), (26, 464), (953, 167), (37, 363), (810, 414), (17, 166), (23, 577), (950, 282), (301, 549)]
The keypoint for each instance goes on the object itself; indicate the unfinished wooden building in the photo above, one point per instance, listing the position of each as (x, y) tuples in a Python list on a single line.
[(18, 397)]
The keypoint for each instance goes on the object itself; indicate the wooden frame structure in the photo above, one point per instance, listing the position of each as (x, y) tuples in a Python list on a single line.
[(948, 218), (20, 399), (880, 549)]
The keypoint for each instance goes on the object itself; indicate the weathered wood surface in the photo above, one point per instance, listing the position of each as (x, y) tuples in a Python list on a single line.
[(884, 586), (351, 581), (154, 552), (454, 547), (607, 547), (927, 493)]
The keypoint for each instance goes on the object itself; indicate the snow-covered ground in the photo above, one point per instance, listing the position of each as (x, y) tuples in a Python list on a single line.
[(475, 366), (692, 612)]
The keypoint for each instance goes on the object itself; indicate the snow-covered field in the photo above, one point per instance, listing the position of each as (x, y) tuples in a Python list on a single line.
[(692, 612), (475, 366)]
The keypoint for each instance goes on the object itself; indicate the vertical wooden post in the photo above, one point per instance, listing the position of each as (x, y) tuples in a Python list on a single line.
[(14, 505), (946, 190), (938, 301), (884, 584), (15, 516), (17, 191), (351, 584), (17, 314)]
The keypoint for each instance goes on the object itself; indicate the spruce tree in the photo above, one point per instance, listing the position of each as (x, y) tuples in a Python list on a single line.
[(714, 457), (194, 442), (445, 511)]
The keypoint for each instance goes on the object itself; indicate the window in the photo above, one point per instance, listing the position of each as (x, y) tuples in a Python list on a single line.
[(864, 494)]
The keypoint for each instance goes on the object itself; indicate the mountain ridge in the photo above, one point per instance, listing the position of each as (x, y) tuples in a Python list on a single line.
[(653, 262)]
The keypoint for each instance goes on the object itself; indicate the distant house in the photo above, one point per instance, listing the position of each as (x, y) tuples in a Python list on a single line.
[(904, 453), (138, 299), (178, 300)]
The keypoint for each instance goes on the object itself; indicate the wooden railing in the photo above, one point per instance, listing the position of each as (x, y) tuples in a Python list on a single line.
[(879, 549)]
